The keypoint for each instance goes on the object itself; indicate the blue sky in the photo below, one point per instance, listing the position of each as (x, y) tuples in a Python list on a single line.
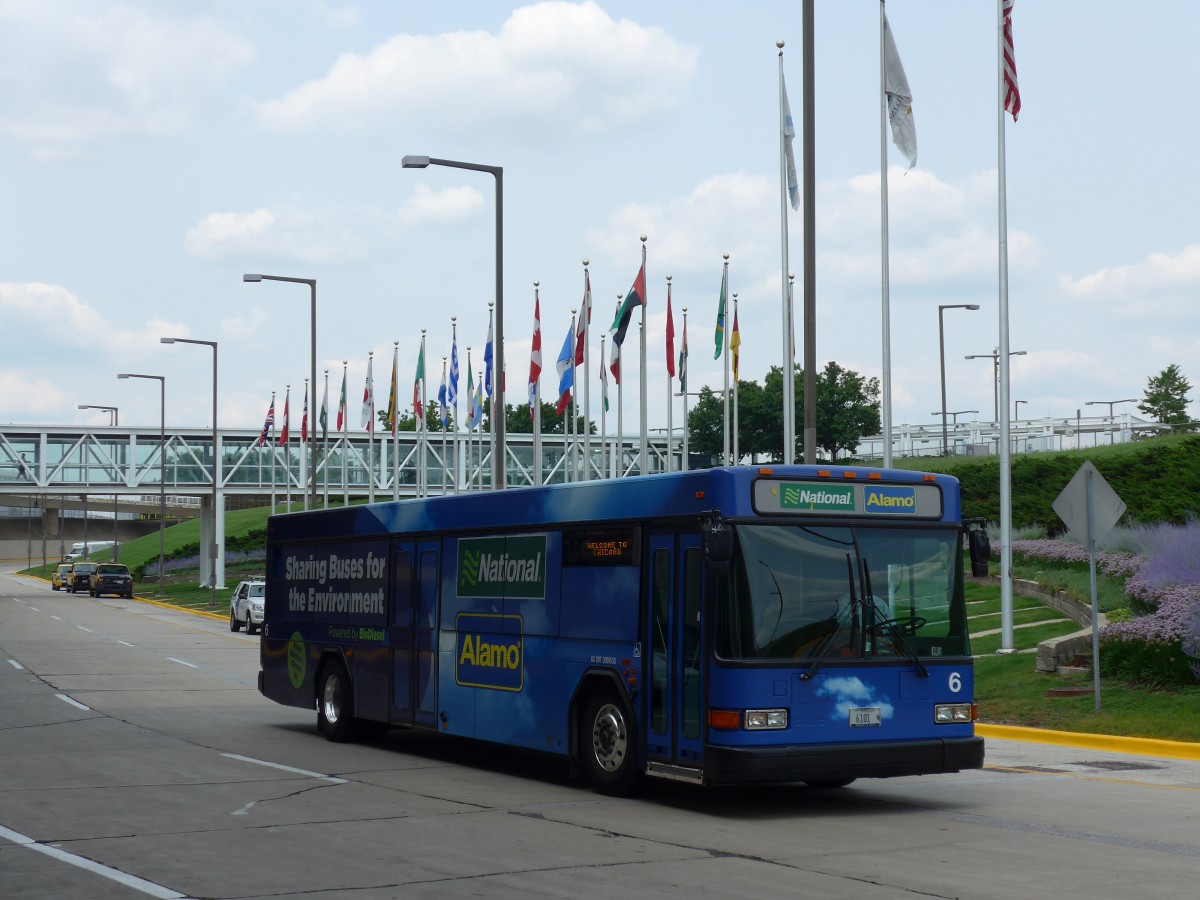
[(153, 152)]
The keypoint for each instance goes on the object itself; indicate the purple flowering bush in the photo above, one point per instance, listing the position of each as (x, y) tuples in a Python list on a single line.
[(1161, 568)]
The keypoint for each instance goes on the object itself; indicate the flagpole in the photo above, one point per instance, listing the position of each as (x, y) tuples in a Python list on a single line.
[(453, 400), (370, 401), (422, 429), (789, 355), (325, 442), (491, 409), (808, 60), (274, 451), (287, 448), (644, 446), (443, 409), (883, 218), (587, 378), (619, 461), (670, 400), (684, 462), (345, 438), (304, 456), (603, 414), (1003, 31), (537, 394), (734, 434), (572, 408), (722, 313), (393, 416)]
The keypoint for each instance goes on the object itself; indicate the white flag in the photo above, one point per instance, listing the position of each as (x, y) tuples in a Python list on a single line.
[(899, 98), (789, 134)]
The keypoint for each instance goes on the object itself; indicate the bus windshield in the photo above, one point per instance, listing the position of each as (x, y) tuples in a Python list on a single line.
[(803, 592)]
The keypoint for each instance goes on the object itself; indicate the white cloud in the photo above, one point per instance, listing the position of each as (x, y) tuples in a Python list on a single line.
[(29, 399), (1163, 283), (78, 71), (285, 233), (550, 63), (340, 236)]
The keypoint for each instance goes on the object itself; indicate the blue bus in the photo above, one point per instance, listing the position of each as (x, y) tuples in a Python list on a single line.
[(728, 625)]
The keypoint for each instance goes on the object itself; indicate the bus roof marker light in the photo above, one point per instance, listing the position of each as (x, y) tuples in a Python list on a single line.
[(824, 473), (849, 474), (929, 478), (874, 476), (765, 471)]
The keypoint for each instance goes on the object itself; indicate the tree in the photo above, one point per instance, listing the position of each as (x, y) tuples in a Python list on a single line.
[(1166, 398), (847, 410), (517, 420)]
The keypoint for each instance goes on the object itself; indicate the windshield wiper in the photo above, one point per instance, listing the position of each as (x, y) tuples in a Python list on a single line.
[(890, 624), (815, 665)]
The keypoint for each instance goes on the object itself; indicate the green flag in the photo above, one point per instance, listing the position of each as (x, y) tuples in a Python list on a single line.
[(719, 337)]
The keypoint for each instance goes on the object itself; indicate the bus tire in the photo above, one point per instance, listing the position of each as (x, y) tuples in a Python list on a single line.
[(334, 703), (607, 747)]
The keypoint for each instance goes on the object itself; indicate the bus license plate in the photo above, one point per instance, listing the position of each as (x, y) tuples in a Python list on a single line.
[(864, 716)]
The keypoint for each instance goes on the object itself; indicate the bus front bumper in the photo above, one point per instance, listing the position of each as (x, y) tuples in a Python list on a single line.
[(836, 762)]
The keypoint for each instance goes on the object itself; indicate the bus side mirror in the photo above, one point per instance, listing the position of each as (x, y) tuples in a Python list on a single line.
[(979, 547), (718, 543)]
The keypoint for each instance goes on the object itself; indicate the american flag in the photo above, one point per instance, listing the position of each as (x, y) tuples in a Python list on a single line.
[(1012, 96)]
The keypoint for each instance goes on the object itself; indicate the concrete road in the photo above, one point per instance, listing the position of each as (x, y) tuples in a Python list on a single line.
[(137, 759)]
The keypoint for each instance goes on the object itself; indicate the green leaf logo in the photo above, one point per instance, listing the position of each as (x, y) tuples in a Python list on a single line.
[(468, 569)]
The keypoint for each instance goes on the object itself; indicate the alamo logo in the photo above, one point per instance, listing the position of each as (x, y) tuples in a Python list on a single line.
[(488, 652), (893, 500), (502, 567)]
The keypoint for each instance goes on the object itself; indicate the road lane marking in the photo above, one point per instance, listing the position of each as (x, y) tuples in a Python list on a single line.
[(15, 664), (84, 628), (65, 699), (57, 617), (183, 662), (126, 643), (132, 881), (35, 609), (273, 765)]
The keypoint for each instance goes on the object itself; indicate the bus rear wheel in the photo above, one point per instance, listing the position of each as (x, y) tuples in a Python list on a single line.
[(607, 749), (334, 703)]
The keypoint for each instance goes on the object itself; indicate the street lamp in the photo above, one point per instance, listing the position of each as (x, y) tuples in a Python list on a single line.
[(942, 359), (312, 287), (217, 532), (1017, 409), (112, 412), (498, 424), (1110, 404), (994, 356), (162, 468)]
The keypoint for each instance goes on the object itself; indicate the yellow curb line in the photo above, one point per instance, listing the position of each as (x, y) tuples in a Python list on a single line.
[(220, 617), (1109, 742)]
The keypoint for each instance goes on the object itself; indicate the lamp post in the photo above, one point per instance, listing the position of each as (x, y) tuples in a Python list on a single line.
[(162, 467), (498, 424), (312, 287), (994, 356), (1017, 409), (942, 360), (112, 412), (1110, 404), (218, 524)]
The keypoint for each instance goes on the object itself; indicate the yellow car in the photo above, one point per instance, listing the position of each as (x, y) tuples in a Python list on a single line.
[(59, 579)]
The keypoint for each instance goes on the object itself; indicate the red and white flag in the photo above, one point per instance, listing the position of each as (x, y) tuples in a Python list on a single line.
[(535, 354), (368, 405), (1012, 96), (283, 434)]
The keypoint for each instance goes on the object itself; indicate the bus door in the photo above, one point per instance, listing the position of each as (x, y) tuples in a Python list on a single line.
[(674, 664), (412, 633)]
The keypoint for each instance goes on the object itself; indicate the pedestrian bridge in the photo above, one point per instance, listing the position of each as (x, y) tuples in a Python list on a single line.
[(63, 465)]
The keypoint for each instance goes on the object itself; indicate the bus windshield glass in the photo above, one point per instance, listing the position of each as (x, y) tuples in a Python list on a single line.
[(836, 592)]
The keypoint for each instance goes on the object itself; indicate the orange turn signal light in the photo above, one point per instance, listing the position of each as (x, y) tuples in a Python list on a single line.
[(724, 719)]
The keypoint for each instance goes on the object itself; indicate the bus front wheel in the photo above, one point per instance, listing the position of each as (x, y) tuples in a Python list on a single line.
[(607, 748), (334, 703)]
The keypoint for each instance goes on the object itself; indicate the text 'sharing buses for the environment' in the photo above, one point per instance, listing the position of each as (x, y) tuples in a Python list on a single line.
[(727, 625)]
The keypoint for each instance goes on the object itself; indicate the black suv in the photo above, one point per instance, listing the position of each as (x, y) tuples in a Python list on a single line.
[(111, 578), (77, 578)]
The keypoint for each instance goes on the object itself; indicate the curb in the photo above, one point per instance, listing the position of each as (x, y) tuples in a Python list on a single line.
[(220, 617), (1108, 742)]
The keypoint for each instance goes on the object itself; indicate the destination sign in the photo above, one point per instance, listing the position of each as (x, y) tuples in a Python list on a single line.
[(774, 496)]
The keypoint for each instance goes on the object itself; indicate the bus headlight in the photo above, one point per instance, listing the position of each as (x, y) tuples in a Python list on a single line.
[(953, 713), (766, 719)]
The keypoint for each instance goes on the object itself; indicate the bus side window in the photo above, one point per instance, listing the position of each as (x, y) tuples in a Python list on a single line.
[(691, 642)]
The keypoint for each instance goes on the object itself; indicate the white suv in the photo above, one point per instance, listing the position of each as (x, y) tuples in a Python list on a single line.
[(246, 606)]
